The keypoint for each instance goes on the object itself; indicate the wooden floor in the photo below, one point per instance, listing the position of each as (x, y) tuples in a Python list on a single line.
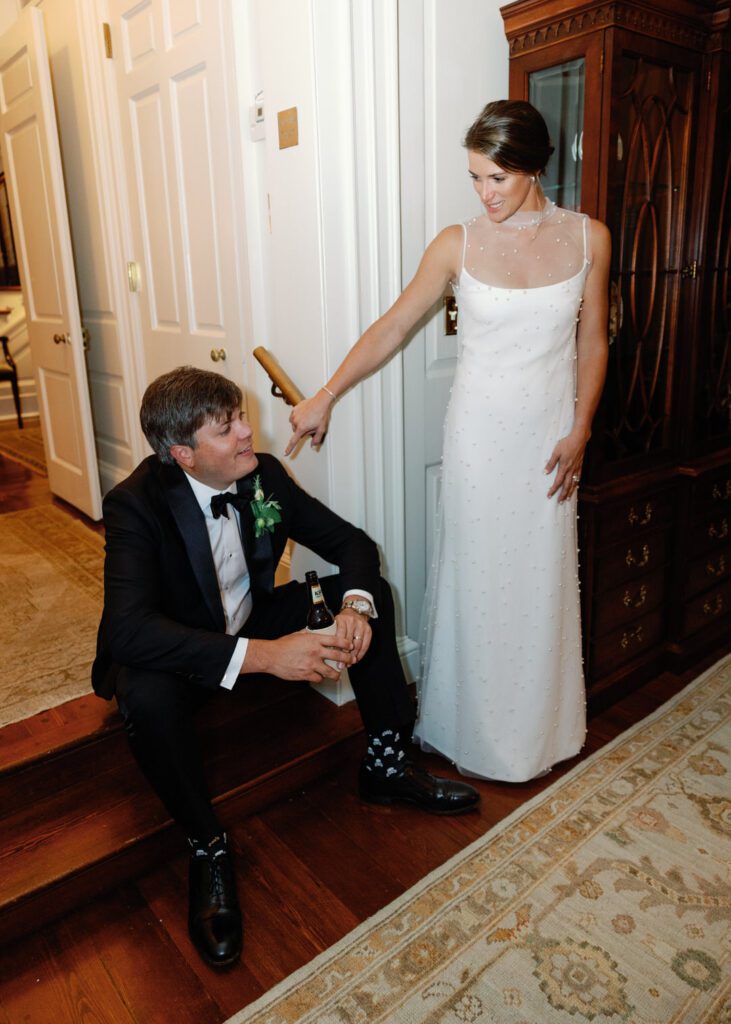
[(310, 869)]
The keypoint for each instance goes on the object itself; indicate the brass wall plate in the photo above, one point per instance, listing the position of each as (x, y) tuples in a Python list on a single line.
[(288, 129)]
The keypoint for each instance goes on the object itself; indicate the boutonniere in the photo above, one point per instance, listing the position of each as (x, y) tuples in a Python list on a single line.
[(266, 513)]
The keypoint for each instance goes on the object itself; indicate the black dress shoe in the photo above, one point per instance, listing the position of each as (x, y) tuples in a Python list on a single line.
[(413, 785), (214, 918)]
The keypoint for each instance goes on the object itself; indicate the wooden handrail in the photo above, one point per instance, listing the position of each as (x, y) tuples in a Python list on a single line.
[(282, 386)]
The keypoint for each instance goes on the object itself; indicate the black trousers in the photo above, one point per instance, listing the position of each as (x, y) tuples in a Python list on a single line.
[(159, 709)]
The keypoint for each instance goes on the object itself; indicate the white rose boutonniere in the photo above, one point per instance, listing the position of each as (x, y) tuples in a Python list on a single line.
[(267, 513)]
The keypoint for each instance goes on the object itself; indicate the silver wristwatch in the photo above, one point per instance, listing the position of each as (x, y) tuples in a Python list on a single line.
[(359, 604)]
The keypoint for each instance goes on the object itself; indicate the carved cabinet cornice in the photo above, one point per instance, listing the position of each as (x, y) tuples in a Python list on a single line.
[(532, 25)]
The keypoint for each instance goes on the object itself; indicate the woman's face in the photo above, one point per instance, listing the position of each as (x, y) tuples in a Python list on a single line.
[(502, 193)]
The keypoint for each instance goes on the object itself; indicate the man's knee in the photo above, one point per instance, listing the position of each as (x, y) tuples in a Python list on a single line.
[(151, 699)]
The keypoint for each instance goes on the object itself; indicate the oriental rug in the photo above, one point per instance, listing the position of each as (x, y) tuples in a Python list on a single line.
[(606, 898), (51, 589), (24, 446)]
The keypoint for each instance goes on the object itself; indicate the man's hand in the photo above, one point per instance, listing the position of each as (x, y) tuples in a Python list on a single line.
[(356, 629), (300, 656)]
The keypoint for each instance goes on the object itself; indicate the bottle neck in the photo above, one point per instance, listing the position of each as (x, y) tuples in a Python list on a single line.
[(316, 597)]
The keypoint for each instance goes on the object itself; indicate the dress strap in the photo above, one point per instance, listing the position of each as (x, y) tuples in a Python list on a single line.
[(587, 249), (464, 245)]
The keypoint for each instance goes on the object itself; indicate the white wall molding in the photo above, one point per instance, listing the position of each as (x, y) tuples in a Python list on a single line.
[(376, 116)]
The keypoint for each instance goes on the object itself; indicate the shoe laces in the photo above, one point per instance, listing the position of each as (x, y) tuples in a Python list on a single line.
[(217, 876)]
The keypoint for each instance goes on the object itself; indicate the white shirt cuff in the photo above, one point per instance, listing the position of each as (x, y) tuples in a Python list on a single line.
[(234, 666), (362, 593)]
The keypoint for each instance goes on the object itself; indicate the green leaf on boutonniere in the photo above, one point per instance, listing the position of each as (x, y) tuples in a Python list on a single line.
[(267, 513)]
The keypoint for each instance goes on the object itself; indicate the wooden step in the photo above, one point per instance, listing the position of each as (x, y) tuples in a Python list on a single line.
[(79, 818)]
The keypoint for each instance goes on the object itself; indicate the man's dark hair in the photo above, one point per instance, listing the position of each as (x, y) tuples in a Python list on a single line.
[(178, 403)]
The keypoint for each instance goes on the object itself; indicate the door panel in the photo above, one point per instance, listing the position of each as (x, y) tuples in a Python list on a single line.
[(172, 92), (34, 174)]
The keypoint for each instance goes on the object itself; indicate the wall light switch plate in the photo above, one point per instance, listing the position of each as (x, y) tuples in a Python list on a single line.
[(256, 122)]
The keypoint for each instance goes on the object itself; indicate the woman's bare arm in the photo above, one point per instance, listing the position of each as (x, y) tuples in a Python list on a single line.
[(440, 264)]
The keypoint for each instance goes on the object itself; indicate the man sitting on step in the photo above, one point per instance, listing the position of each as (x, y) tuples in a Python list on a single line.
[(191, 610)]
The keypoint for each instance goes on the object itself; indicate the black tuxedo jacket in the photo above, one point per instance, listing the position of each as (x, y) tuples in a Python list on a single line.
[(162, 608)]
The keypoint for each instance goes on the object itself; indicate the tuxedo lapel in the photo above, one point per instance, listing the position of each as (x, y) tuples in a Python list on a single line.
[(192, 525), (258, 550)]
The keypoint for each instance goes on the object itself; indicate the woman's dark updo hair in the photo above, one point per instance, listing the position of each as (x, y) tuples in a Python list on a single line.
[(513, 135)]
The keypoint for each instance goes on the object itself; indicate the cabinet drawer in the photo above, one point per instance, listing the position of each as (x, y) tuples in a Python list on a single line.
[(613, 649), (714, 492), (708, 608), (709, 533), (628, 559), (629, 601), (630, 518), (705, 570)]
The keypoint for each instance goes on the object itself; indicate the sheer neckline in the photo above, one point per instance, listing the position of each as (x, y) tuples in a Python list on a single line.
[(522, 219), (529, 254), (527, 288)]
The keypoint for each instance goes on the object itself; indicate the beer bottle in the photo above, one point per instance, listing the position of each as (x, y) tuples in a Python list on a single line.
[(319, 617)]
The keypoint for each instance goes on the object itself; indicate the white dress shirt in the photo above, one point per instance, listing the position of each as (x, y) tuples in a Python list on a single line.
[(234, 583)]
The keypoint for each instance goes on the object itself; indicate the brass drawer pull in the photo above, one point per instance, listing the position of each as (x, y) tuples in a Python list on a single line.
[(719, 532), (721, 493), (636, 635), (641, 518), (635, 602), (713, 607), (631, 560), (718, 569)]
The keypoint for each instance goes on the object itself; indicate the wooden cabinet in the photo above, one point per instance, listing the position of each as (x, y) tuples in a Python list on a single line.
[(637, 98)]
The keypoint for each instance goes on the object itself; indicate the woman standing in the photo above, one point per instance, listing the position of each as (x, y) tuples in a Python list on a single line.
[(502, 693)]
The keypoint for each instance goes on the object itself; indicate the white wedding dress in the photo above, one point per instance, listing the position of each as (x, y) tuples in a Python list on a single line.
[(502, 692)]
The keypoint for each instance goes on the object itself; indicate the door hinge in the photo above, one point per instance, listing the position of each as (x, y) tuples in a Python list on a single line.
[(106, 28), (133, 276), (601, 63), (708, 80)]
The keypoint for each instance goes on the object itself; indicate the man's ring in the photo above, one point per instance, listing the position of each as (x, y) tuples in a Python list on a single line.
[(576, 478), (355, 636)]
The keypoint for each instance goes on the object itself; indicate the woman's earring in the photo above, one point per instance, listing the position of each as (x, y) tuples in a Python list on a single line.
[(533, 178)]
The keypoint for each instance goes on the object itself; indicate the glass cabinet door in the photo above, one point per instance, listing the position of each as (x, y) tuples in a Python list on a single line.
[(558, 92), (565, 82)]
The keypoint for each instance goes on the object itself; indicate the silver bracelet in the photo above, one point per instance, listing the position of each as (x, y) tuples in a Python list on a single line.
[(329, 392)]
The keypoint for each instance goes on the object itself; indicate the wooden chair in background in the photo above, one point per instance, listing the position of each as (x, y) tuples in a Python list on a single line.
[(9, 372)]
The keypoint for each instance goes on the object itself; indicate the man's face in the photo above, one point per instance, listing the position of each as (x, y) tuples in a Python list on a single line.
[(223, 451)]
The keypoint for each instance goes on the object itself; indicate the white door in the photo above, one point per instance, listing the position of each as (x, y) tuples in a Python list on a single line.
[(453, 58), (32, 162), (174, 74)]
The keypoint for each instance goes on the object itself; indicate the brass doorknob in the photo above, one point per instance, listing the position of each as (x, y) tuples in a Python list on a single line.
[(60, 339), (218, 354)]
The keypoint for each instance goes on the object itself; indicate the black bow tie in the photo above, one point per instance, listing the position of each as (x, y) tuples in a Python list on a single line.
[(220, 501)]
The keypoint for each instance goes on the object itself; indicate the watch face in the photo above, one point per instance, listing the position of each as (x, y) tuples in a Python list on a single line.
[(360, 606)]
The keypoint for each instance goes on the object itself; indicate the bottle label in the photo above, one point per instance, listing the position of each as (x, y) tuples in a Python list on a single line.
[(316, 593)]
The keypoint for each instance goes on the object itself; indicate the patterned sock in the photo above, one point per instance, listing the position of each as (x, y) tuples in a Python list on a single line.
[(385, 754), (213, 848)]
